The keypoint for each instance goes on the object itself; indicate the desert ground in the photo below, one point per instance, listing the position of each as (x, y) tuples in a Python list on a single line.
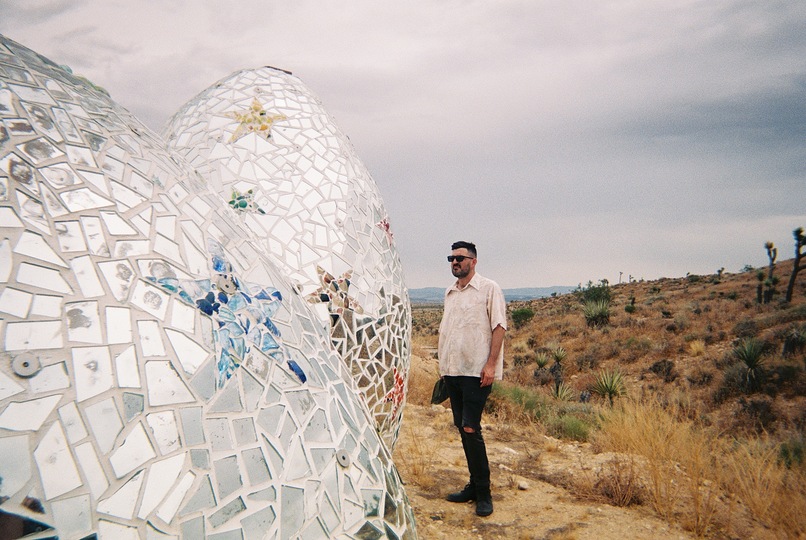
[(528, 470), (550, 483)]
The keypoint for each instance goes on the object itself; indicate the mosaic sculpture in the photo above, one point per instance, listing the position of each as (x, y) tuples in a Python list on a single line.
[(266, 143), (160, 375)]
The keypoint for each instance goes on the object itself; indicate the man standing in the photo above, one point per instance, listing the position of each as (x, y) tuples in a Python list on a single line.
[(471, 356)]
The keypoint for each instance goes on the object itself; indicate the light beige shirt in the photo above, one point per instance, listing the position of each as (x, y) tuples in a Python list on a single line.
[(470, 315)]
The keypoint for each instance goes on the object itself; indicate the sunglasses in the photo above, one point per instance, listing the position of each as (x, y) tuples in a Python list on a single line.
[(458, 258)]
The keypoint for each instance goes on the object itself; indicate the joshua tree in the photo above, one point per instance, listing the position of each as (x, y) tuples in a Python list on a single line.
[(770, 282), (800, 241), (772, 253)]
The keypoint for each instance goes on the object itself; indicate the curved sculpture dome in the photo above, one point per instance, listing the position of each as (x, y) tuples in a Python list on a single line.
[(265, 142)]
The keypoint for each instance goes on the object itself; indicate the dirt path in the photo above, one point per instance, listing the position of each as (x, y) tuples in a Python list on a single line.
[(430, 459)]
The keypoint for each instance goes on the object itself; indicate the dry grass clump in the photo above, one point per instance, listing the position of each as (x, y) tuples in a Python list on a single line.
[(692, 475), (775, 494), (697, 347), (414, 456), (617, 481), (650, 432)]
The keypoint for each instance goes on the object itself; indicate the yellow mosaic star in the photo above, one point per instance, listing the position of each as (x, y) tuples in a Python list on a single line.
[(255, 120)]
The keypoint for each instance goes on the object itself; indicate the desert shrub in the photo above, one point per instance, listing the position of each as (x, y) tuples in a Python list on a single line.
[(589, 360), (531, 403), (567, 426), (791, 452), (643, 344), (594, 293), (610, 385), (700, 377), (629, 308), (784, 377), (597, 312), (664, 369), (532, 342), (543, 376), (724, 361), (746, 328), (519, 347), (671, 328), (734, 382), (619, 482), (634, 348), (757, 415), (521, 359), (521, 316)]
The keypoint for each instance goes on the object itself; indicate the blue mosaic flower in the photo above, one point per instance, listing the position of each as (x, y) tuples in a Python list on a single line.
[(242, 311)]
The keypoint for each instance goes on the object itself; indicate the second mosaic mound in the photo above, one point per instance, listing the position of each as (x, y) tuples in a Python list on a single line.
[(264, 141)]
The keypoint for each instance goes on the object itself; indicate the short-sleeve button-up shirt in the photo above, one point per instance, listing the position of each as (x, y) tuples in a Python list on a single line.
[(465, 334)]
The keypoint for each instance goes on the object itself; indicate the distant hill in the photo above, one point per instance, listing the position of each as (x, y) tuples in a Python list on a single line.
[(434, 295)]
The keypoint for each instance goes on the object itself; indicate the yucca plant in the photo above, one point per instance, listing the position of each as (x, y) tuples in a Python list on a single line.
[(609, 384), (750, 351), (559, 354), (597, 312), (562, 392), (541, 359)]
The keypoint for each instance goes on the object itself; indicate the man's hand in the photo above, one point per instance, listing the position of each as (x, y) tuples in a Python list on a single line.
[(488, 374)]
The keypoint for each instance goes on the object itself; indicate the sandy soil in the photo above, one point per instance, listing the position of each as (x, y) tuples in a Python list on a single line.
[(431, 461)]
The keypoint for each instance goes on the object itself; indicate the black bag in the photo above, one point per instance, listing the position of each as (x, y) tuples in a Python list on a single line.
[(440, 392)]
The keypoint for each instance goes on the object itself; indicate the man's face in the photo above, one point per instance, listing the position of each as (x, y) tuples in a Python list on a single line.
[(462, 269)]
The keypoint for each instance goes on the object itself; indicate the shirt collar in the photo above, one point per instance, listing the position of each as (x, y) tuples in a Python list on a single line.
[(474, 282)]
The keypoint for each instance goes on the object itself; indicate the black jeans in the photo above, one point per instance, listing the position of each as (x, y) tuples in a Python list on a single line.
[(467, 403), (467, 400)]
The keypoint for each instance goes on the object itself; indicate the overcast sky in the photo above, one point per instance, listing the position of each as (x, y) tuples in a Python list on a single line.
[(571, 140)]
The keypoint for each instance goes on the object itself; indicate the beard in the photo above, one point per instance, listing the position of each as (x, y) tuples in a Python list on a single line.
[(458, 272)]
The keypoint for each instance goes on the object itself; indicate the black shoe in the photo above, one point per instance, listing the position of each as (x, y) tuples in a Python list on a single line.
[(484, 507), (466, 495)]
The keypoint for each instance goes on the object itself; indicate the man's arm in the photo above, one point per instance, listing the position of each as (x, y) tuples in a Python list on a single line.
[(488, 372)]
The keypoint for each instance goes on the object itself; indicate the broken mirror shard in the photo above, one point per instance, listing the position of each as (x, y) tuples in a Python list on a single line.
[(165, 371)]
